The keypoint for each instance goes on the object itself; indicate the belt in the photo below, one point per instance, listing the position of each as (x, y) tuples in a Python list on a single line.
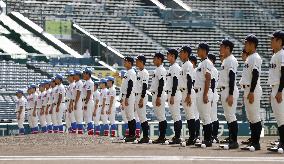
[(197, 90), (168, 92), (67, 100), (29, 109), (107, 104), (100, 105), (122, 94), (246, 86), (182, 89), (84, 99), (136, 94), (221, 89)]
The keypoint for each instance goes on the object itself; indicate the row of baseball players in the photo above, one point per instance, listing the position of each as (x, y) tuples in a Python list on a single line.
[(196, 90)]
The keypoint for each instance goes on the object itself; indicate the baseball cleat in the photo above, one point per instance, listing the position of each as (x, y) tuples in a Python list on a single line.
[(226, 140), (274, 143), (206, 143), (247, 142), (130, 139), (159, 141), (175, 141), (190, 142), (144, 140), (215, 139), (275, 148), (248, 147)]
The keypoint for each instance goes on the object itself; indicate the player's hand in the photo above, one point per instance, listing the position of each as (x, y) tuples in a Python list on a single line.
[(278, 97), (94, 114), (102, 112), (230, 100), (141, 103), (75, 106), (57, 109), (126, 102), (18, 117), (109, 112), (85, 107), (50, 112), (188, 100), (172, 100), (46, 112), (250, 97), (158, 101), (34, 113), (205, 99)]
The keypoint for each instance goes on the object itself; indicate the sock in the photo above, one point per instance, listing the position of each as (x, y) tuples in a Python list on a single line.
[(60, 127), (145, 129), (234, 131), (258, 132), (191, 128), (281, 134), (90, 126), (207, 132), (215, 128), (177, 128), (162, 128), (197, 128)]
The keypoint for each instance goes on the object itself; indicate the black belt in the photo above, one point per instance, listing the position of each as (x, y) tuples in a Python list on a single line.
[(197, 90), (107, 104), (29, 109), (246, 86), (168, 92), (153, 93), (100, 105), (136, 94), (67, 100), (84, 99), (182, 89)]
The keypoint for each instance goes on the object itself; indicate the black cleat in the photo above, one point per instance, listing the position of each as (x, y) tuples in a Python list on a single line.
[(275, 148), (206, 143), (226, 140), (256, 147), (190, 142), (175, 141), (144, 140), (216, 139), (159, 141), (247, 142), (130, 139), (233, 145)]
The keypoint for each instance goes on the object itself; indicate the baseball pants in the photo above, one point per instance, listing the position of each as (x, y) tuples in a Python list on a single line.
[(229, 111), (277, 108), (253, 110), (140, 113), (159, 110)]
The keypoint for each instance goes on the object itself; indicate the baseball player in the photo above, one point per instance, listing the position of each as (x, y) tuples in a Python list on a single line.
[(141, 97), (193, 60), (88, 90), (47, 104), (53, 106), (60, 101), (78, 104), (96, 99), (159, 96), (128, 97), (70, 115), (204, 93), (188, 94), (215, 99), (276, 80), (244, 55), (122, 75), (100, 113), (40, 108), (250, 82), (20, 109), (32, 99), (173, 93), (229, 90), (110, 104)]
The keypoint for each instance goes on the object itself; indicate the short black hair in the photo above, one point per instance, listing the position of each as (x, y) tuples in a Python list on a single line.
[(141, 58), (173, 52), (160, 56), (193, 58), (228, 43), (204, 46), (253, 39), (129, 59), (186, 49)]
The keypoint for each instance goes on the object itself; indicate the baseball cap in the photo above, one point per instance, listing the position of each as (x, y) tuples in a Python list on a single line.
[(110, 78), (159, 55), (103, 80), (252, 38), (122, 73), (70, 73), (32, 86), (173, 52), (87, 70), (20, 91), (277, 34), (77, 72), (203, 46), (129, 59), (186, 49), (141, 58), (58, 76)]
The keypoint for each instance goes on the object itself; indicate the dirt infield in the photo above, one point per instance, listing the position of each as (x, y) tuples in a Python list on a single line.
[(78, 148)]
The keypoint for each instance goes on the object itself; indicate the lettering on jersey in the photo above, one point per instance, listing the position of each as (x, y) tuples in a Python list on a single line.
[(138, 78), (246, 66), (169, 74), (199, 69), (272, 65)]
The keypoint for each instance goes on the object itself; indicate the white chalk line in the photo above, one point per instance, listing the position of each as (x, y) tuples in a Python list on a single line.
[(142, 158)]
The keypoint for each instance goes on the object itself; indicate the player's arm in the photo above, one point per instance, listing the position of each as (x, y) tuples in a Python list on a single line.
[(174, 87), (34, 111), (20, 112), (88, 96), (59, 100), (281, 84), (110, 103), (129, 88), (232, 78), (160, 87), (189, 84), (77, 96), (207, 83), (104, 103), (213, 85)]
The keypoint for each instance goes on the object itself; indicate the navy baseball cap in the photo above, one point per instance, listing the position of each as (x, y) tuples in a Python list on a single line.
[(77, 72), (141, 58), (277, 34), (173, 52), (87, 70), (186, 49), (32, 86), (204, 46), (212, 57), (129, 59), (59, 76), (70, 73), (110, 78), (227, 43), (20, 91), (252, 38), (122, 73), (103, 80), (159, 55)]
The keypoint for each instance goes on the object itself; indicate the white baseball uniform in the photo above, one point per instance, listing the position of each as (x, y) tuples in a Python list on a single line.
[(204, 110), (196, 113), (53, 115), (88, 113), (99, 116), (276, 62), (40, 100), (229, 64), (215, 97), (21, 103), (111, 93), (159, 73), (129, 110), (79, 108), (187, 69), (142, 77), (60, 91), (32, 100), (69, 116), (49, 104), (252, 62)]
